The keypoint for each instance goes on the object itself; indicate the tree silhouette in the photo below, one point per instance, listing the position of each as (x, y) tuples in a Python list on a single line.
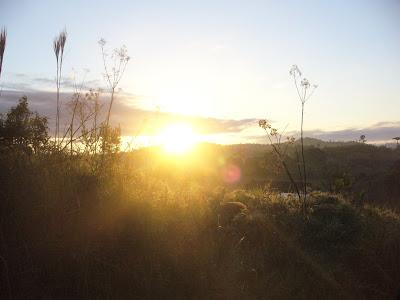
[(23, 129), (397, 138), (363, 139)]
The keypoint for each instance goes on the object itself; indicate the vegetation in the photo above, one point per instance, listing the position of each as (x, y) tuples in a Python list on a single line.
[(58, 47), (113, 75), (304, 91), (3, 39), (133, 228), (22, 130), (84, 220)]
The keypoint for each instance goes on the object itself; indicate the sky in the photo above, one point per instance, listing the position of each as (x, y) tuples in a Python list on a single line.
[(220, 65)]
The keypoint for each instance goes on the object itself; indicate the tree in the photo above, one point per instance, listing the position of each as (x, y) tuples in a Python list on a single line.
[(23, 129), (363, 139), (397, 139)]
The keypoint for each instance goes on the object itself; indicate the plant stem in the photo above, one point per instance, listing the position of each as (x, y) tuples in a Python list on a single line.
[(302, 155), (58, 99), (111, 103), (282, 160)]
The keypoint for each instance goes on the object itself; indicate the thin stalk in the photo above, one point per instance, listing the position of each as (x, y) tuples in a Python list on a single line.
[(58, 100), (285, 167), (110, 106), (302, 154), (3, 39), (298, 164), (95, 125), (72, 125)]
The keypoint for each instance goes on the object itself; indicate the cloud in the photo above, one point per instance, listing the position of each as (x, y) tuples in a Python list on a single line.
[(133, 120), (378, 133), (137, 121), (25, 82)]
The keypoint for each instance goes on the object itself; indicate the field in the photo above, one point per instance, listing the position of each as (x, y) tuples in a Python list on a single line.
[(186, 155), (149, 225)]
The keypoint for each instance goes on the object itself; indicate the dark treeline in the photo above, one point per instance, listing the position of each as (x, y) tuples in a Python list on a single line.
[(362, 172)]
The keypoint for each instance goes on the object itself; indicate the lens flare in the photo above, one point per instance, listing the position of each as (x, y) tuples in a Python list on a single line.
[(231, 173)]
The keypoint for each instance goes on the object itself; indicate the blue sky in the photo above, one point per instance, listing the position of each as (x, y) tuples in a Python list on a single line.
[(226, 60)]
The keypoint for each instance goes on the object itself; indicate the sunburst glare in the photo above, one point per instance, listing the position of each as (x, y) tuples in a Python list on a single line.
[(178, 138)]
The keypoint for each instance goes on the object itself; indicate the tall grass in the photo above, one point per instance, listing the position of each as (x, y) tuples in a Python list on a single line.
[(3, 39), (58, 47), (133, 233)]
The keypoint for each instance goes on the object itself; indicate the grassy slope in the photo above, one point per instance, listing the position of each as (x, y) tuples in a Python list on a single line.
[(134, 232)]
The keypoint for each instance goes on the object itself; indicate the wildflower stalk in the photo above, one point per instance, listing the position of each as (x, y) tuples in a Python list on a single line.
[(304, 92), (302, 152), (119, 61), (273, 132)]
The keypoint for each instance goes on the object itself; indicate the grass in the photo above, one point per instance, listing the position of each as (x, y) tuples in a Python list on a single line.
[(131, 232)]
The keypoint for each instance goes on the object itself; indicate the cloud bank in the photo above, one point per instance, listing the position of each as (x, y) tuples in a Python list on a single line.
[(133, 120), (136, 121)]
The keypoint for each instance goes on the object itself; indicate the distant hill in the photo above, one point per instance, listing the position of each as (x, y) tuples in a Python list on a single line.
[(347, 167)]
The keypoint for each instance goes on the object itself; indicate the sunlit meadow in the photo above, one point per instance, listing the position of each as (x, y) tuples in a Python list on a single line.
[(199, 150)]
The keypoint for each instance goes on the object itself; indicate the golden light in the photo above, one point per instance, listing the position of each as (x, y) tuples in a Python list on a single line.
[(178, 138)]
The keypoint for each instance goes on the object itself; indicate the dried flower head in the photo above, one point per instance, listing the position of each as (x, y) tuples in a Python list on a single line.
[(59, 44), (303, 86), (305, 83), (102, 42), (264, 124), (295, 71)]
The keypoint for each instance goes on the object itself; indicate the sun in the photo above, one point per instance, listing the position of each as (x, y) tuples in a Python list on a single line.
[(178, 138)]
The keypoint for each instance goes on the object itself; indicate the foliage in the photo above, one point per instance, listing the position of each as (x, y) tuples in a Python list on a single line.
[(110, 139), (132, 232), (141, 225), (23, 130)]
